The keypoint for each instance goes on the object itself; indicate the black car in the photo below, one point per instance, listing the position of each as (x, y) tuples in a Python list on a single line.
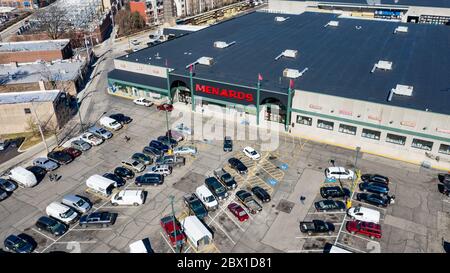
[(261, 193), (114, 177), (374, 188), (167, 141), (375, 178), (329, 205), (103, 219), (227, 144), (237, 165), (216, 188), (154, 179), (334, 192), (159, 145), (444, 177), (121, 118), (152, 151), (38, 172), (51, 225), (195, 206), (19, 243), (124, 172), (60, 157), (143, 158), (373, 199)]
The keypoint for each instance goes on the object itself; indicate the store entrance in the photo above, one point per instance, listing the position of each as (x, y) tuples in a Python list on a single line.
[(274, 110)]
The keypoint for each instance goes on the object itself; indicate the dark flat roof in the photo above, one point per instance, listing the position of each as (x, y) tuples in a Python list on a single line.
[(339, 59), (423, 3), (141, 79)]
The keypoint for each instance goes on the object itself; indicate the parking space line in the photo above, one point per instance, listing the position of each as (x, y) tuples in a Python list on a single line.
[(316, 236), (80, 242), (360, 237), (91, 229), (231, 217), (321, 212), (168, 243), (370, 205), (48, 237), (305, 250), (349, 247), (220, 227)]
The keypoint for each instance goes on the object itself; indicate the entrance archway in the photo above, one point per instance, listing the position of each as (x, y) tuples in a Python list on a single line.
[(274, 110)]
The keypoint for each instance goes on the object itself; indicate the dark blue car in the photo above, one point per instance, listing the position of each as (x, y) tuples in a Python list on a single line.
[(18, 244), (374, 188), (373, 199), (159, 145)]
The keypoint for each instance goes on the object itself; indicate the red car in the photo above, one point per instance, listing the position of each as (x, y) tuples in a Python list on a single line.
[(238, 211), (165, 107), (174, 232), (72, 152), (366, 228)]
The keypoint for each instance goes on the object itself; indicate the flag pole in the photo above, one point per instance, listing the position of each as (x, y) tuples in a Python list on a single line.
[(258, 89), (288, 108)]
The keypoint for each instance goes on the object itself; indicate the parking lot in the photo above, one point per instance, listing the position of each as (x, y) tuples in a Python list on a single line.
[(416, 222)]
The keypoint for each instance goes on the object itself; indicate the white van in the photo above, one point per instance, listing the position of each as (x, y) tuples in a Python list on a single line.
[(128, 197), (339, 173), (364, 214), (23, 177), (61, 212), (110, 123), (207, 198), (100, 184)]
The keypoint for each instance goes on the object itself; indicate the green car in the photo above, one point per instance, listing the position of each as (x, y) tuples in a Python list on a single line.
[(142, 158)]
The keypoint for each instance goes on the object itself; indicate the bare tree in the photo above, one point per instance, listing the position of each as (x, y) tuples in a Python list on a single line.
[(53, 21)]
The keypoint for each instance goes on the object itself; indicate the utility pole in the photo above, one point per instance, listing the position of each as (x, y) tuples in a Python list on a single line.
[(39, 125), (172, 198)]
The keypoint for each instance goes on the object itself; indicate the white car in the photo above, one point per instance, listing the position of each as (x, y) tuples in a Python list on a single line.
[(185, 150), (161, 169), (339, 173), (251, 153), (128, 197), (183, 129), (143, 101), (364, 214), (91, 139), (135, 42)]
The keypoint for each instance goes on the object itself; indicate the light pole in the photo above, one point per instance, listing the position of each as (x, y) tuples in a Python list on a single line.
[(39, 125), (172, 198), (356, 173)]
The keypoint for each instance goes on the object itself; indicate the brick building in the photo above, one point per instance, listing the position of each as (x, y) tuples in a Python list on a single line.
[(25, 4)]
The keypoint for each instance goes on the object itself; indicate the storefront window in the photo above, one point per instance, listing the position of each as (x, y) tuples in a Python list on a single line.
[(444, 149), (304, 120), (371, 134), (396, 139), (328, 125), (422, 144), (347, 129)]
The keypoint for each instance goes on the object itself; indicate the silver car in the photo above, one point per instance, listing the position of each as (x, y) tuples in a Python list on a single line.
[(133, 165), (185, 150), (100, 132), (7, 185), (45, 163), (80, 145), (77, 202)]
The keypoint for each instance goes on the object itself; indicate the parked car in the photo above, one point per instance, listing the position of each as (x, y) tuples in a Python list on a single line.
[(61, 212), (227, 144), (173, 230), (183, 129), (207, 198), (444, 177), (251, 153), (142, 158), (334, 192), (100, 132), (152, 151), (185, 150), (365, 228), (159, 145), (237, 165), (60, 157), (195, 206), (110, 123), (375, 178), (23, 177), (80, 145), (77, 202), (261, 193), (133, 165), (171, 160), (167, 141), (7, 185), (121, 118), (45, 163), (91, 139), (124, 172), (38, 172), (329, 205), (161, 169), (4, 143), (316, 226), (364, 214), (103, 219), (238, 211), (373, 199), (18, 244), (74, 153), (216, 188), (373, 187), (51, 226), (118, 179), (3, 195), (225, 178), (149, 179), (339, 173), (247, 200), (178, 136), (128, 197), (165, 107), (143, 102)]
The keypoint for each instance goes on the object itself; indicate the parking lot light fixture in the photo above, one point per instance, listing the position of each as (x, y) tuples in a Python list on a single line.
[(172, 198)]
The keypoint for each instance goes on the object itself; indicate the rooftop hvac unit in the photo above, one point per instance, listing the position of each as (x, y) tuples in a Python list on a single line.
[(384, 65), (401, 29), (400, 89), (205, 61), (332, 24), (281, 19), (293, 73), (221, 44), (289, 53)]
